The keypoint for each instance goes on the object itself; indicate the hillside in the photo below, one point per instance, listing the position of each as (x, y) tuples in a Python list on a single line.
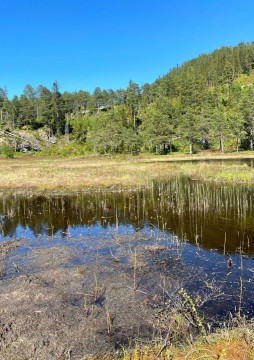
[(206, 103)]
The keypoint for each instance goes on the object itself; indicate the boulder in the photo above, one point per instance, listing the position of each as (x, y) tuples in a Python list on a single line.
[(27, 141)]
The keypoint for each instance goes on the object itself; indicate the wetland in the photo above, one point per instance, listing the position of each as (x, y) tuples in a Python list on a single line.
[(87, 274)]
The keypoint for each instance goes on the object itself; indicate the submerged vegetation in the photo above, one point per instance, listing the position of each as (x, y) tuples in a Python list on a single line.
[(130, 275)]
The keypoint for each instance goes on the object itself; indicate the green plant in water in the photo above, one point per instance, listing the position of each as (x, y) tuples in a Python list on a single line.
[(189, 305), (81, 269), (16, 267)]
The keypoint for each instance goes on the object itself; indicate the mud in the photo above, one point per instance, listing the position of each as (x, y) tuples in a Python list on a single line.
[(53, 308), (5, 248)]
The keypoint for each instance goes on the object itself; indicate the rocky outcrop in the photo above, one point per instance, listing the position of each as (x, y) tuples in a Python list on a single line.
[(20, 140), (46, 137), (27, 141)]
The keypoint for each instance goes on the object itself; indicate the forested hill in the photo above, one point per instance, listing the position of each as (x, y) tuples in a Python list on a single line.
[(206, 103)]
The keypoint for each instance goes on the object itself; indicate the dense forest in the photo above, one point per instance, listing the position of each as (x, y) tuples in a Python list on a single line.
[(206, 103)]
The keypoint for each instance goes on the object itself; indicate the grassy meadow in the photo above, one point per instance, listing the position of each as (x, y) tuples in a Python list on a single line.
[(53, 174)]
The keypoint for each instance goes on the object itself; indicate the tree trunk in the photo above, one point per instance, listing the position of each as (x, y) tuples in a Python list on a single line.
[(191, 146), (134, 122), (221, 143), (67, 131), (251, 139)]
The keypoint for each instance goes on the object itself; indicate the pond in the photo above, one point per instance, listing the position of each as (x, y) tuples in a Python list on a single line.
[(201, 234), (241, 161), (213, 222)]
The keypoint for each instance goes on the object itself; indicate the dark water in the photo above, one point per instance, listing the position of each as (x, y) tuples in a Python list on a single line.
[(242, 161), (214, 222), (215, 216)]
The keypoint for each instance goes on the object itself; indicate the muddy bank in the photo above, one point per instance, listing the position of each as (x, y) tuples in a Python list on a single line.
[(58, 302), (5, 248)]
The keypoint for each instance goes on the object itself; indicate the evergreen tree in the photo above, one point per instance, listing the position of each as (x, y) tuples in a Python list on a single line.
[(57, 110), (156, 130), (133, 101)]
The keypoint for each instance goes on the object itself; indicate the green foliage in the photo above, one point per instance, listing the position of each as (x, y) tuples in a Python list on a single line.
[(7, 151), (109, 133), (156, 130), (207, 103), (79, 126), (66, 150), (188, 304)]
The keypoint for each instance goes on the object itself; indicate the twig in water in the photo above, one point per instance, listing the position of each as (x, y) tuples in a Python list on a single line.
[(114, 257)]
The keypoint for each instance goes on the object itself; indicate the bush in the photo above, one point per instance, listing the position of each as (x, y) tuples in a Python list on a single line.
[(65, 150), (7, 151)]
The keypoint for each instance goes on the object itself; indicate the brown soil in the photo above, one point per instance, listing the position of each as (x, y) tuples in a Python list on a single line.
[(51, 308), (5, 248)]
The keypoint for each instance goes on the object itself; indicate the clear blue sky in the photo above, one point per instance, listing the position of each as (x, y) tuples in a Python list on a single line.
[(83, 43)]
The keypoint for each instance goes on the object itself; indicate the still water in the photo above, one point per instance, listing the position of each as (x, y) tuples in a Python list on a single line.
[(241, 161), (213, 222)]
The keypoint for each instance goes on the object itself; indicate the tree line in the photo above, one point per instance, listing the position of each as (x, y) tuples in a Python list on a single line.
[(206, 103)]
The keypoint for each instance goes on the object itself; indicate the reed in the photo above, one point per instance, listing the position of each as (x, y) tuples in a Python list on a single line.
[(109, 322), (225, 242), (135, 270), (240, 297)]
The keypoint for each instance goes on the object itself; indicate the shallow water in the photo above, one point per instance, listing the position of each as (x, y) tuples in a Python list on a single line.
[(240, 161), (207, 226)]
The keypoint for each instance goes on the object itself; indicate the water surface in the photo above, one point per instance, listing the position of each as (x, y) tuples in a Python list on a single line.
[(207, 226)]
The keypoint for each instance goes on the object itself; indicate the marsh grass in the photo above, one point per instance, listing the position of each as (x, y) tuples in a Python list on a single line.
[(109, 322), (227, 344), (94, 173)]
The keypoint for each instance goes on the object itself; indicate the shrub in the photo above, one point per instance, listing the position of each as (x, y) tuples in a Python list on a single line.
[(7, 151)]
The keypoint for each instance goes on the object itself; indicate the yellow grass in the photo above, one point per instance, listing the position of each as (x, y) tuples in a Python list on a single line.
[(235, 344), (93, 173)]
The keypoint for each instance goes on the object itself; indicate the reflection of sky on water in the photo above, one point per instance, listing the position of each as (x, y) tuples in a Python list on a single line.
[(94, 230), (212, 218), (98, 230), (209, 212), (216, 270), (20, 232)]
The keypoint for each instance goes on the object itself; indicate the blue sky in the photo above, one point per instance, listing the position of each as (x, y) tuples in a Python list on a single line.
[(84, 44)]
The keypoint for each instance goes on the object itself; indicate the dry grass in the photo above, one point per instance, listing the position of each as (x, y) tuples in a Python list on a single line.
[(93, 173), (236, 344), (52, 174)]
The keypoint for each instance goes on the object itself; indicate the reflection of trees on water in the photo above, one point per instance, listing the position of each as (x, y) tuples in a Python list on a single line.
[(48, 215), (202, 212)]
